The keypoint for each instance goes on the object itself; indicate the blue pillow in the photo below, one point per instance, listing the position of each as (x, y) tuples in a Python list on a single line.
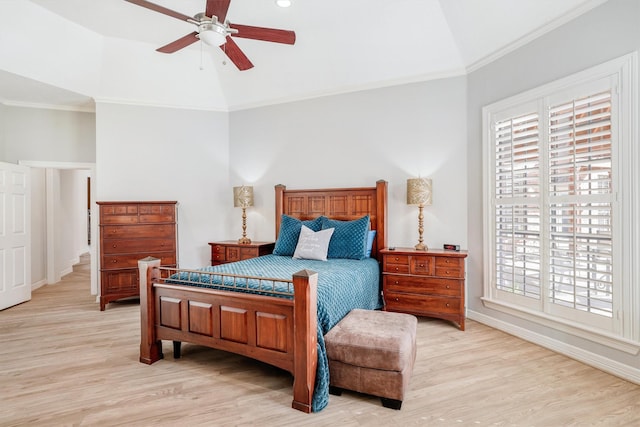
[(370, 237), (290, 233), (349, 238)]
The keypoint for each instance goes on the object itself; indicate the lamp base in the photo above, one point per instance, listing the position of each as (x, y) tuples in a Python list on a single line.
[(421, 247), (244, 241)]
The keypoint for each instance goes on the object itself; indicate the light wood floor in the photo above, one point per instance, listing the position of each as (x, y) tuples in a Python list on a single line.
[(63, 362)]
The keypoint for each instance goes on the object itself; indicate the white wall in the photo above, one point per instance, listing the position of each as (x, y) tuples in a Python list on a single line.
[(352, 140), (151, 153), (47, 135), (602, 34)]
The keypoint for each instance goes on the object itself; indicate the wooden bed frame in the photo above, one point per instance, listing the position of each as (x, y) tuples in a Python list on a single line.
[(278, 331)]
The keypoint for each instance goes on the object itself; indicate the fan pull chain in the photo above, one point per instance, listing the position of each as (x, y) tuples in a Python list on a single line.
[(224, 61)]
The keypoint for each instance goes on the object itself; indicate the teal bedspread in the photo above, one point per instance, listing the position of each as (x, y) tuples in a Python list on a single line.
[(343, 284)]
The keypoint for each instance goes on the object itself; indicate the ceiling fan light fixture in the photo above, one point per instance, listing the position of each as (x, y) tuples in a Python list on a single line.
[(215, 30), (284, 3), (213, 34)]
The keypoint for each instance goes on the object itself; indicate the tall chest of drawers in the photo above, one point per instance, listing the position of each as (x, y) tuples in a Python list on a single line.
[(130, 231), (425, 283)]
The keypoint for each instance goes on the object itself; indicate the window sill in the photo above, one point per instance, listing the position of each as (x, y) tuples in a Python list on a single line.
[(594, 335)]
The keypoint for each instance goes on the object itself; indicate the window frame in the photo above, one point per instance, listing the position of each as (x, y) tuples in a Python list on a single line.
[(624, 332)]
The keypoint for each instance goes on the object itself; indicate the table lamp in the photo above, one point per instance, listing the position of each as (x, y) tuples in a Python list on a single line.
[(419, 193)]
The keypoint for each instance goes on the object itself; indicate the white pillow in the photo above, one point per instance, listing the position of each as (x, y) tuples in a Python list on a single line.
[(313, 244)]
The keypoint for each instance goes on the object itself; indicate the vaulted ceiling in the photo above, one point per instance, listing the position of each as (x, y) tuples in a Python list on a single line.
[(341, 46)]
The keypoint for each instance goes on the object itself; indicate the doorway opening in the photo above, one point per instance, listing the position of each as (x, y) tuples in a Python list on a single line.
[(62, 209)]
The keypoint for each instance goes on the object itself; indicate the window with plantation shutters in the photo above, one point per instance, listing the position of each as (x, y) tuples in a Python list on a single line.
[(558, 232)]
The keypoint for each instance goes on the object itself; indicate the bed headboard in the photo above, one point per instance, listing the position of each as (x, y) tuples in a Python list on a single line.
[(343, 204)]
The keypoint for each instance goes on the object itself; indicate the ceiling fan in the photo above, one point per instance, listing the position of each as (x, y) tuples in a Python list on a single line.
[(214, 29)]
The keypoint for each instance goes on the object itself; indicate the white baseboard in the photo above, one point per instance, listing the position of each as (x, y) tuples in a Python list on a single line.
[(605, 364), (38, 284), (65, 272)]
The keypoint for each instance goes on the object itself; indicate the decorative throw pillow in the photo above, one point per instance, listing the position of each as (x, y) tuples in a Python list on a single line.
[(289, 233), (313, 244), (370, 236), (349, 239)]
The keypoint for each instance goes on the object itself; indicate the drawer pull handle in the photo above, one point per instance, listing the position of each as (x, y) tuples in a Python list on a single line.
[(396, 299), (396, 282), (397, 269), (397, 259), (446, 261), (447, 286), (114, 261), (421, 265), (447, 272), (447, 304), (115, 246)]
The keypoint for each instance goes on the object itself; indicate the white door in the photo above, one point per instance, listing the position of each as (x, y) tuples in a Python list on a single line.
[(15, 239)]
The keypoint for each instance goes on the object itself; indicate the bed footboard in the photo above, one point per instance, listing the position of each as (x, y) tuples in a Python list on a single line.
[(278, 331)]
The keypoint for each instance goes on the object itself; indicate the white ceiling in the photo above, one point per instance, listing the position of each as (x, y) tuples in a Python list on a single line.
[(341, 45)]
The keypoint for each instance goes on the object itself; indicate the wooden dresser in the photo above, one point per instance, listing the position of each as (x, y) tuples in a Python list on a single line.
[(425, 283), (231, 251), (130, 231)]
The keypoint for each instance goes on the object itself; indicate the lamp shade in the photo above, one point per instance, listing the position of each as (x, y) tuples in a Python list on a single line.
[(419, 191), (242, 196)]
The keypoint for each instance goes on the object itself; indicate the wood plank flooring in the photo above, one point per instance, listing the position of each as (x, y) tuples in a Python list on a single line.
[(63, 362)]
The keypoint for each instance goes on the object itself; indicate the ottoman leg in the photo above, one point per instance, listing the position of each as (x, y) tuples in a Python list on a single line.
[(391, 403), (336, 391), (176, 349)]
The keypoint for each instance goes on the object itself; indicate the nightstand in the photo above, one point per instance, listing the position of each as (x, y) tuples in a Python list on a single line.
[(424, 283), (231, 251)]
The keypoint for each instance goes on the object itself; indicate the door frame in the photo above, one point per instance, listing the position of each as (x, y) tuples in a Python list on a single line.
[(49, 221)]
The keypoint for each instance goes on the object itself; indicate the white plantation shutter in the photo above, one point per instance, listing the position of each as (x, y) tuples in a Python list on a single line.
[(517, 205), (580, 205)]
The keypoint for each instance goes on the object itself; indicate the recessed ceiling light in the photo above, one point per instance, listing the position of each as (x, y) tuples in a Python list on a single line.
[(284, 3)]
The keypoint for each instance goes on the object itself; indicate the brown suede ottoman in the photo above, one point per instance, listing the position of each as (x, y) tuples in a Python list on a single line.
[(372, 352)]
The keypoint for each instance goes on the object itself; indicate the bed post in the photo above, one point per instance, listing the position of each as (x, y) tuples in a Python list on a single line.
[(150, 347), (305, 351), (381, 214), (279, 206)]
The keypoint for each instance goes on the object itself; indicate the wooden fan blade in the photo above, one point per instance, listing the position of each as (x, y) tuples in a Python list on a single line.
[(265, 34), (161, 9), (217, 8), (236, 55), (180, 43)]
